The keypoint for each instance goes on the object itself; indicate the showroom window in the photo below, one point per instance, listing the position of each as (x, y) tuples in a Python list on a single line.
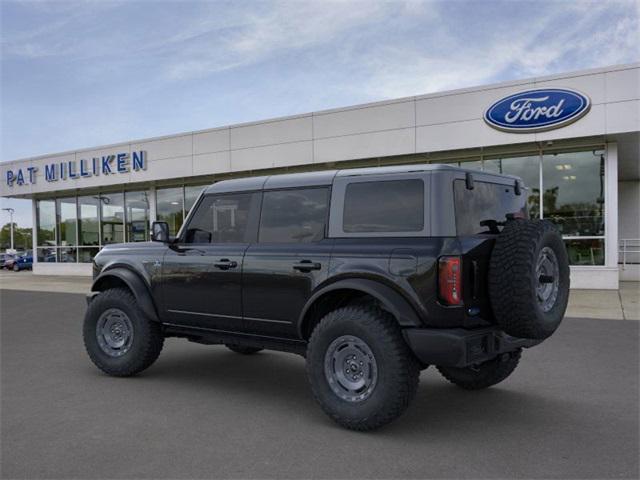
[(573, 199), (527, 168), (67, 229), (137, 216), (112, 218), (170, 207), (88, 228), (191, 194), (46, 230)]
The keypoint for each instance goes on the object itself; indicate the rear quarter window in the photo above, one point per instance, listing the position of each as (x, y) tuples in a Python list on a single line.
[(384, 206), (486, 201)]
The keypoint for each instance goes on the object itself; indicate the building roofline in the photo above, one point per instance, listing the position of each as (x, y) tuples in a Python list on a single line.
[(445, 93)]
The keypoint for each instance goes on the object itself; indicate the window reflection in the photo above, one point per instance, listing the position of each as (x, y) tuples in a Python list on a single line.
[(66, 221), (527, 168), (574, 192), (88, 220), (585, 252), (137, 216), (46, 254), (46, 220), (112, 218), (472, 165), (170, 207), (86, 254)]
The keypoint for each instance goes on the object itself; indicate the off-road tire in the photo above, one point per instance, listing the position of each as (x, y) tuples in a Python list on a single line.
[(147, 338), (242, 349), (484, 375), (398, 370), (513, 281)]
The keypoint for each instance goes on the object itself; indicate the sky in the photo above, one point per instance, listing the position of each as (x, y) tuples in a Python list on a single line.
[(86, 73)]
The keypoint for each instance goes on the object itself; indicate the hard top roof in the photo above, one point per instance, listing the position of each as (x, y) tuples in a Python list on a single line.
[(326, 177)]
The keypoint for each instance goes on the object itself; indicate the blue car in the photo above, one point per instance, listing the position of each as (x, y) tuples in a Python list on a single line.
[(23, 262)]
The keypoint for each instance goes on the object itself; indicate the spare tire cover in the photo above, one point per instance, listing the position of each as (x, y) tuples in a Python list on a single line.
[(529, 278)]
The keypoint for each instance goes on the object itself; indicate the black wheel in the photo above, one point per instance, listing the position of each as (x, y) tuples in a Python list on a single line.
[(529, 279), (16, 268), (120, 340), (484, 375), (242, 349), (360, 369)]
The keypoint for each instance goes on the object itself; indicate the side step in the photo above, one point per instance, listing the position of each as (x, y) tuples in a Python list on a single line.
[(211, 336)]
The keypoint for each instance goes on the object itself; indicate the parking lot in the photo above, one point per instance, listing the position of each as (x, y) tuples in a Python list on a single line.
[(569, 411)]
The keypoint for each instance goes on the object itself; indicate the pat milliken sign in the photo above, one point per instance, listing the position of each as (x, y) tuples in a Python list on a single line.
[(117, 163), (537, 110)]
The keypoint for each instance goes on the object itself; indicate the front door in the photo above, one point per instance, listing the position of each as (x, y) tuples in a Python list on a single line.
[(289, 260), (202, 271)]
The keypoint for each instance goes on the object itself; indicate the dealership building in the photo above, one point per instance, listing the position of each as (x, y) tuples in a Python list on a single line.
[(573, 138)]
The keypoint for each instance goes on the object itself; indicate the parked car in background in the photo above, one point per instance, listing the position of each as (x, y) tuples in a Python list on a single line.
[(7, 261), (23, 262)]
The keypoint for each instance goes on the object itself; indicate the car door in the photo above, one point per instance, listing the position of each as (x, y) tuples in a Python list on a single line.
[(289, 260), (202, 271)]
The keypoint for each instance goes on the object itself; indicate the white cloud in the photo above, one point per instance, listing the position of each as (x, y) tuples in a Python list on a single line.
[(525, 48)]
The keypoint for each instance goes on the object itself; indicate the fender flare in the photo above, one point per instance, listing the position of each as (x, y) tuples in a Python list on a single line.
[(391, 300), (137, 286)]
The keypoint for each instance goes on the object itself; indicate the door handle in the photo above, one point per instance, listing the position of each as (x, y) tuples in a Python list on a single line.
[(306, 266), (225, 264)]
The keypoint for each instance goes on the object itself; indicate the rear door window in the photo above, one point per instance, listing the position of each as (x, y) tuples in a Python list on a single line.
[(384, 206), (294, 215)]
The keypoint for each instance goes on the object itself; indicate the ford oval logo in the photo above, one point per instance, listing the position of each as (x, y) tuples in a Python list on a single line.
[(537, 110)]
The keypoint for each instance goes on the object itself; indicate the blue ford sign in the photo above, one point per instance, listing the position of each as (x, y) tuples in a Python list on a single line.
[(537, 110)]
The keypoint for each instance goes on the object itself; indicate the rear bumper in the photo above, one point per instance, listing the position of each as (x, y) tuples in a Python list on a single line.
[(459, 347)]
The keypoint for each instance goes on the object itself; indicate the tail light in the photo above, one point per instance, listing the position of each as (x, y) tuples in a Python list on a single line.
[(450, 280)]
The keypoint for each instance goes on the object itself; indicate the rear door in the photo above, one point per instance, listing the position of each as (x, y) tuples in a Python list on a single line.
[(289, 260), (202, 272)]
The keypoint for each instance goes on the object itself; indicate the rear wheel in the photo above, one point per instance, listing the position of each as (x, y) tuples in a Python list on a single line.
[(120, 340), (484, 375), (242, 349), (360, 369)]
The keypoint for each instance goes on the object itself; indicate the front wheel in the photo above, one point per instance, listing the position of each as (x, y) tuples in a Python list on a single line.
[(360, 369), (119, 339), (16, 268), (484, 375)]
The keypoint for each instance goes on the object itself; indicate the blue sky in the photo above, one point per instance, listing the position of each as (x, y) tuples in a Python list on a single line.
[(80, 74)]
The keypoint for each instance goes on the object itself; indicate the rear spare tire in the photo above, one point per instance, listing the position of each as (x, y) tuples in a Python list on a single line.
[(529, 278)]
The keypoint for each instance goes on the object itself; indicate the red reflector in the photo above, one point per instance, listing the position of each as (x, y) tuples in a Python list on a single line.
[(450, 280)]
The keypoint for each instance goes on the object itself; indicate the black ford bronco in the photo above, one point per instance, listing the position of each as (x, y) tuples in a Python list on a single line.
[(371, 274)]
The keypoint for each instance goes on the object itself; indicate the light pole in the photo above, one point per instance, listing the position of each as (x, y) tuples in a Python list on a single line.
[(11, 212)]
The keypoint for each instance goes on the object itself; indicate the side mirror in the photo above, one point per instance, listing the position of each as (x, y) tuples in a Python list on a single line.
[(160, 232)]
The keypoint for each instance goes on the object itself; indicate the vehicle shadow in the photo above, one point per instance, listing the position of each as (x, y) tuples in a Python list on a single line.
[(279, 380)]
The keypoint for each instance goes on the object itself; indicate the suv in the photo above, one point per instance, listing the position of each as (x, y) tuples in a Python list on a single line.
[(371, 274)]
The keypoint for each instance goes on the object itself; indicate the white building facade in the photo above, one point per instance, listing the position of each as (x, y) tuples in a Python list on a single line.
[(582, 168)]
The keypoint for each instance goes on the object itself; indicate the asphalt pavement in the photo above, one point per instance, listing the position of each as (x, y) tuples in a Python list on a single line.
[(570, 410)]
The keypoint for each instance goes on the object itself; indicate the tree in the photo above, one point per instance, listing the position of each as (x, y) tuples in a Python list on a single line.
[(22, 237)]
